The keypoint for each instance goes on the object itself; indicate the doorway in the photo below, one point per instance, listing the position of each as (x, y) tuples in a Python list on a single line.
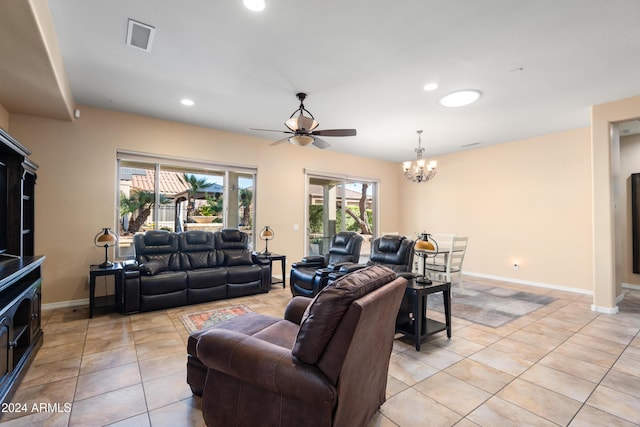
[(339, 203)]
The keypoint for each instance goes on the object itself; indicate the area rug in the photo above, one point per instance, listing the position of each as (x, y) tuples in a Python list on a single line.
[(489, 305), (204, 319)]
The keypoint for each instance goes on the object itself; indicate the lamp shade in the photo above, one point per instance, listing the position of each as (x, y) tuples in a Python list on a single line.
[(424, 243), (301, 123), (105, 239), (301, 140), (267, 234)]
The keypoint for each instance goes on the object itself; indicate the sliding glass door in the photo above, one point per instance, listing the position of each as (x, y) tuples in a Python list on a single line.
[(339, 203)]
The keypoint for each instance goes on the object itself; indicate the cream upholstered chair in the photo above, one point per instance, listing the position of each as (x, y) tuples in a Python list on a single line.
[(447, 262)]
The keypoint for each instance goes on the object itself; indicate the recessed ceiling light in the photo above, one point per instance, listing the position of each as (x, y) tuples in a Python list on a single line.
[(460, 98), (255, 5), (430, 86), (187, 102)]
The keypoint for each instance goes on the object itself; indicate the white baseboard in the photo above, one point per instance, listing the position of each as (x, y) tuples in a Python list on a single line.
[(630, 286), (66, 304), (604, 310), (530, 283)]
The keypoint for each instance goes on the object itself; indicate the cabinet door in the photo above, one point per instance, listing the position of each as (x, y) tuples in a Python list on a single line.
[(5, 351), (34, 324)]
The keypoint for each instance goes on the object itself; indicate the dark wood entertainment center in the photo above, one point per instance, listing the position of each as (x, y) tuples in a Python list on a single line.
[(20, 271)]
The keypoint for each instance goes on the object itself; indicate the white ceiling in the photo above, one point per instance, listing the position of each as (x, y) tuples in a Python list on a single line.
[(539, 64)]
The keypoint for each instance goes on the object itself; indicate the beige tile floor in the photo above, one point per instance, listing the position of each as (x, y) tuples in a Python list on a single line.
[(561, 365)]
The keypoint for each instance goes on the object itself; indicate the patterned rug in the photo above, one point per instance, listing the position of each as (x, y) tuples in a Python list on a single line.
[(488, 305), (204, 319)]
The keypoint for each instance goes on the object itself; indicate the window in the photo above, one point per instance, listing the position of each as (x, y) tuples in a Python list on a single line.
[(157, 193), (339, 203)]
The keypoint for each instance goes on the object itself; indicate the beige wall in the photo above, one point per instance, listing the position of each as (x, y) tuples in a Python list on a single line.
[(75, 193), (525, 202), (629, 164)]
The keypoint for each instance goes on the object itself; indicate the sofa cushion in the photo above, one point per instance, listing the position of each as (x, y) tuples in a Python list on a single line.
[(390, 243), (163, 283), (206, 278), (230, 238), (153, 267), (326, 309), (239, 259), (238, 274)]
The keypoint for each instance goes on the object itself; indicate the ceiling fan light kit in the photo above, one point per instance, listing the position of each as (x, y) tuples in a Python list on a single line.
[(421, 171), (301, 140), (301, 123), (302, 128)]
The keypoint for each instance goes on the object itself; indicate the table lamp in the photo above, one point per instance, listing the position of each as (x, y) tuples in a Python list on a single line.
[(266, 234), (425, 246), (106, 238)]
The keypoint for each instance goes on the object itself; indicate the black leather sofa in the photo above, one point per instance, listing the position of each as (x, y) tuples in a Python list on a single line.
[(175, 269)]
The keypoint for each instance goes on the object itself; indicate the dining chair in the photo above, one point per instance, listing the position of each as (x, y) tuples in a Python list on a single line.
[(447, 260)]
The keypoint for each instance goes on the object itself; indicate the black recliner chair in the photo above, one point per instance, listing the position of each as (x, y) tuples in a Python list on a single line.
[(311, 274), (394, 252)]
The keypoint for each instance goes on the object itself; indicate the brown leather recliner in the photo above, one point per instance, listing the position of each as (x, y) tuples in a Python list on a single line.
[(324, 364)]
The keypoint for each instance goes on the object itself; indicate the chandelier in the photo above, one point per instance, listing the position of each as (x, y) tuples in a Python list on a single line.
[(419, 171)]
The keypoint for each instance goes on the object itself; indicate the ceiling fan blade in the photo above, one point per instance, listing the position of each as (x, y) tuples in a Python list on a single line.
[(280, 141), (335, 132), (320, 143), (270, 130)]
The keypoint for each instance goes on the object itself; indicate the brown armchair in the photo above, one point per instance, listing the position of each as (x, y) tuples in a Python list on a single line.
[(324, 364)]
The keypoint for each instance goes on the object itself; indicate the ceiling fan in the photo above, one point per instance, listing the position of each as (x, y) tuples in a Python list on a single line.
[(302, 128)]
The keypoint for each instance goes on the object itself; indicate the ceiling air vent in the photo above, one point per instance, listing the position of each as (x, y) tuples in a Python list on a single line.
[(473, 144), (140, 35)]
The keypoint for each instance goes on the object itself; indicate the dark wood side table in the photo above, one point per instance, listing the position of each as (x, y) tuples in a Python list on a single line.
[(116, 271), (271, 256), (415, 322)]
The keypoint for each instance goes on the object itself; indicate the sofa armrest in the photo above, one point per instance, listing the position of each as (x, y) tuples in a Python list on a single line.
[(263, 364), (296, 308), (131, 288), (344, 270), (350, 267), (130, 265), (337, 266), (316, 261), (258, 260)]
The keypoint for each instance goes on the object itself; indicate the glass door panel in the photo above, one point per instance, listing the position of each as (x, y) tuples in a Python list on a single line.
[(199, 204), (241, 202), (137, 196), (336, 204)]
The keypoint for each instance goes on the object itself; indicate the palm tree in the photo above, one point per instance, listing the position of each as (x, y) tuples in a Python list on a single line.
[(196, 185), (141, 202), (128, 205), (246, 197)]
